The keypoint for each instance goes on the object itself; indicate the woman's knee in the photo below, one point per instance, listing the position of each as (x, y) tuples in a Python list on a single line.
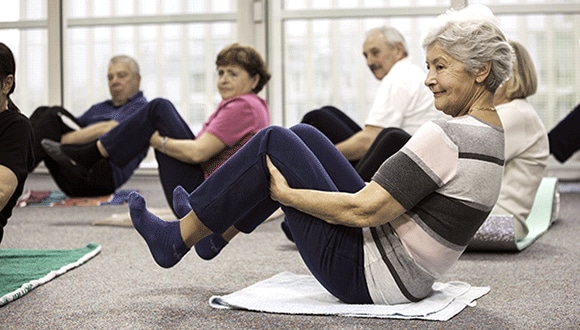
[(304, 129), (272, 130), (277, 142)]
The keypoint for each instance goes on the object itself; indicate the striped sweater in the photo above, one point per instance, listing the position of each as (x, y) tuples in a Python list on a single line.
[(448, 177)]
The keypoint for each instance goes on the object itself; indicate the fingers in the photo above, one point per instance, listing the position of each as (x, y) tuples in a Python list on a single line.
[(270, 165), (273, 173)]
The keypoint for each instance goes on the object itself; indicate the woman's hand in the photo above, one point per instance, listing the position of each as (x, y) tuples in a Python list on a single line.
[(278, 183), (155, 140)]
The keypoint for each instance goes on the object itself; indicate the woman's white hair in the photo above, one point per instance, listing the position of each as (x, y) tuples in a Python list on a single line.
[(472, 36)]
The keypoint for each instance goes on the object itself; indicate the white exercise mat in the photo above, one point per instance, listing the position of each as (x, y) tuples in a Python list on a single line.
[(288, 293)]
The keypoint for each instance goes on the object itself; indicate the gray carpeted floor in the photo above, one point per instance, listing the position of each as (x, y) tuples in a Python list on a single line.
[(122, 288)]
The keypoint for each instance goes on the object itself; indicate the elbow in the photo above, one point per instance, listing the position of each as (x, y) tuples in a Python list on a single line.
[(4, 198), (376, 215), (193, 159), (365, 217), (198, 157), (370, 220), (367, 140)]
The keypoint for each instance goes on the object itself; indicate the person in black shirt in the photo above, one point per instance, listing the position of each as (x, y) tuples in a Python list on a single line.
[(16, 137)]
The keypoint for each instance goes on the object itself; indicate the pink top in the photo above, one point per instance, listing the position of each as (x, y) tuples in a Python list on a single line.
[(234, 122)]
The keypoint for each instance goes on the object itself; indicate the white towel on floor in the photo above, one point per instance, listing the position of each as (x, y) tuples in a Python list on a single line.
[(288, 293)]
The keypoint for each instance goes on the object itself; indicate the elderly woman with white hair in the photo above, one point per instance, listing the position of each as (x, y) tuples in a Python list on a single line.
[(387, 241)]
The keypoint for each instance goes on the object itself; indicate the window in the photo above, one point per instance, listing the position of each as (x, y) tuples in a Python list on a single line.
[(23, 29)]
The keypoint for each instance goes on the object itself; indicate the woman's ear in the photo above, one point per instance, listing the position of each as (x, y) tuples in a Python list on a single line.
[(483, 73), (256, 81), (7, 84)]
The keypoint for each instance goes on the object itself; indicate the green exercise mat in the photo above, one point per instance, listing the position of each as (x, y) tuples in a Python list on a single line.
[(24, 270)]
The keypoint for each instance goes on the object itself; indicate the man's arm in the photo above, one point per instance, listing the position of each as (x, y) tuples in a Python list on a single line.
[(8, 183), (89, 133), (355, 147)]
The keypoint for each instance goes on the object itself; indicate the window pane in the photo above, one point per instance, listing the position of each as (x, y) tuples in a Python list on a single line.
[(520, 2), (22, 10), (334, 4), (30, 50), (108, 8)]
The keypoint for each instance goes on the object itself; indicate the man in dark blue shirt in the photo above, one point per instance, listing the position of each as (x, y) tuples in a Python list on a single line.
[(57, 124)]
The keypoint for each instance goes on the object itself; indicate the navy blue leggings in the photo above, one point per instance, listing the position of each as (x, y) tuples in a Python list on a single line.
[(131, 137), (238, 195)]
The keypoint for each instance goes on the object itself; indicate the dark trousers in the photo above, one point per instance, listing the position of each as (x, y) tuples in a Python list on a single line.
[(337, 127), (48, 123), (388, 142), (565, 136), (238, 194), (131, 137)]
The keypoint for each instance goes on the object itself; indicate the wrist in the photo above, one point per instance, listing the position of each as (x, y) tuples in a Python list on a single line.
[(164, 144)]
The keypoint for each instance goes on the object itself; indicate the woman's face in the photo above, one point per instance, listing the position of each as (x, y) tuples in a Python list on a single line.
[(453, 88), (6, 86), (234, 81)]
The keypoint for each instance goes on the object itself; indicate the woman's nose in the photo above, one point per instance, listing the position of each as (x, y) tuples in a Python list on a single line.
[(429, 79)]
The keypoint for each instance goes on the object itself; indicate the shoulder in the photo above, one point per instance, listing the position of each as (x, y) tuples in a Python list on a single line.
[(462, 130), (247, 101), (432, 132), (434, 140), (405, 73), (517, 109), (139, 97), (15, 120), (98, 107), (406, 65), (135, 102)]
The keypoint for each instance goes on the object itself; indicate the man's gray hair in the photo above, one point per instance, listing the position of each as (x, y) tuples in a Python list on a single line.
[(126, 59), (391, 35)]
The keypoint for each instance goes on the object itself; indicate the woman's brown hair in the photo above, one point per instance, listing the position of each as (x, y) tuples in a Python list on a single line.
[(248, 58)]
